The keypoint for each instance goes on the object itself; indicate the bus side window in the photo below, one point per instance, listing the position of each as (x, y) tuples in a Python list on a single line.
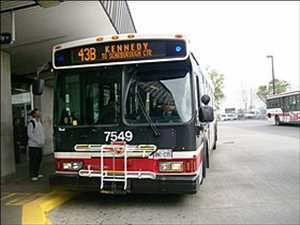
[(285, 103), (298, 102), (198, 92), (288, 103)]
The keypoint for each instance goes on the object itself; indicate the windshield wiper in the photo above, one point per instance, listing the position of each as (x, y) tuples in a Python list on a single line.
[(148, 118)]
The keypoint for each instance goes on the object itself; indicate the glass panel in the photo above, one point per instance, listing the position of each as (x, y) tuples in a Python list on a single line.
[(298, 102), (88, 98), (164, 95), (293, 103), (68, 99), (101, 100)]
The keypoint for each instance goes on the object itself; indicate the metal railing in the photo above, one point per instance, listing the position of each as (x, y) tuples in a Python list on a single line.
[(119, 15)]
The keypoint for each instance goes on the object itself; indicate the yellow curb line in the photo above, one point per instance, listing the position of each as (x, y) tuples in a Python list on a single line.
[(36, 212)]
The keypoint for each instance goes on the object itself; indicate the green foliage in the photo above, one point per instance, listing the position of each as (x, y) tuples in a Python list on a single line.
[(263, 90), (218, 82)]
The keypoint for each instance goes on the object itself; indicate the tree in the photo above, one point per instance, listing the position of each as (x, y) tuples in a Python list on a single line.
[(265, 90), (218, 82)]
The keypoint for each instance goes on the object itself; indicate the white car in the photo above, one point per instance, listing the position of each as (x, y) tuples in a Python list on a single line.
[(228, 116), (232, 116), (250, 115), (223, 117)]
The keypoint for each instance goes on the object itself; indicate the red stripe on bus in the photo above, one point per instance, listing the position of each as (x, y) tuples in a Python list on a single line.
[(133, 164)]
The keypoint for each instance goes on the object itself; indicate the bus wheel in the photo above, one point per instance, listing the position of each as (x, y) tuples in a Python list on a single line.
[(215, 146), (277, 120), (207, 156), (215, 141), (203, 168)]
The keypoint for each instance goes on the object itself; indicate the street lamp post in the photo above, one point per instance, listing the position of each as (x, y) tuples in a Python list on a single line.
[(273, 75)]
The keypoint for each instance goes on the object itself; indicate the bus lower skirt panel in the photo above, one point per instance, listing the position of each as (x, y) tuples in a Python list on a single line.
[(174, 185)]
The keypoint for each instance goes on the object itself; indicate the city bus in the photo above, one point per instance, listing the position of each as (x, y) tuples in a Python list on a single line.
[(132, 114), (284, 108)]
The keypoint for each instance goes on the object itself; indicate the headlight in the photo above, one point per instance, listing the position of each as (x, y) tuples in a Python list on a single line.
[(72, 165), (77, 165), (163, 153), (67, 166), (171, 166)]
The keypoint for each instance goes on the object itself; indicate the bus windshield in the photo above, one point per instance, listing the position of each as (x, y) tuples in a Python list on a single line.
[(89, 96), (165, 95), (93, 96)]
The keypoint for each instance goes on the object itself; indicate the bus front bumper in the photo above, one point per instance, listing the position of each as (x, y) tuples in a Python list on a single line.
[(161, 185)]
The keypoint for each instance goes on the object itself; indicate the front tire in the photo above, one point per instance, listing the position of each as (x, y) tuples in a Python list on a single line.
[(203, 167), (216, 138), (207, 155), (277, 120)]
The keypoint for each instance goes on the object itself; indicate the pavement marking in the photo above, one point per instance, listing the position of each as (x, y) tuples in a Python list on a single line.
[(36, 211), (19, 197), (8, 195), (25, 199)]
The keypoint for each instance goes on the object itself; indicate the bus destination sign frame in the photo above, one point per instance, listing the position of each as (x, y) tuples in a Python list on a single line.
[(120, 51)]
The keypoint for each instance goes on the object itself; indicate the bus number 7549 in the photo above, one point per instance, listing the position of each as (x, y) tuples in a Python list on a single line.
[(118, 136)]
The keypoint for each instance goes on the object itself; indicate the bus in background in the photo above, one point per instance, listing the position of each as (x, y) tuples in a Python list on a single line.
[(231, 113), (284, 108), (132, 114)]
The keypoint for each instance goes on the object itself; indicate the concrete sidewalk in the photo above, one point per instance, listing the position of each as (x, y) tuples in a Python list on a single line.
[(18, 190)]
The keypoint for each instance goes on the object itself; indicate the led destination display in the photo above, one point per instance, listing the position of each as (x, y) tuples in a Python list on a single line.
[(120, 51)]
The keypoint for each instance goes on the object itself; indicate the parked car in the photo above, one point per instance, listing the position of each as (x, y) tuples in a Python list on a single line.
[(250, 115), (232, 116), (228, 116), (223, 117)]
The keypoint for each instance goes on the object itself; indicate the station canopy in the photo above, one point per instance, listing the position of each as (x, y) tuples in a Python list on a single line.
[(38, 27)]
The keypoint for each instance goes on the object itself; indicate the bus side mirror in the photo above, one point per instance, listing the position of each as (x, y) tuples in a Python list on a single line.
[(206, 114), (38, 86), (205, 99)]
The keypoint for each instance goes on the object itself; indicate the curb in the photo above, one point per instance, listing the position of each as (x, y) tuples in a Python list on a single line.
[(36, 212)]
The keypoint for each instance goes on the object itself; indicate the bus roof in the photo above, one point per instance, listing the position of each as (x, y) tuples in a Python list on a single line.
[(284, 94)]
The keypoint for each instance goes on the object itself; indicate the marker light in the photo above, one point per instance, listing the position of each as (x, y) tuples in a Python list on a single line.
[(130, 36), (99, 38), (171, 166), (178, 48), (115, 37), (178, 35)]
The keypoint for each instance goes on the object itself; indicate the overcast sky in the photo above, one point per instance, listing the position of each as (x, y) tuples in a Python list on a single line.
[(231, 37)]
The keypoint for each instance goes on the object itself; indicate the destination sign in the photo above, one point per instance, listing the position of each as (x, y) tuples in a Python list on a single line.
[(120, 51)]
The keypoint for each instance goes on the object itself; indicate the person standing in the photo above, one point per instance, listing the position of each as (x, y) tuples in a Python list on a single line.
[(36, 141)]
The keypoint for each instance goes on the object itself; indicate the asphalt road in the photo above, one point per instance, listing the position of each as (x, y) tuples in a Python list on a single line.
[(253, 179)]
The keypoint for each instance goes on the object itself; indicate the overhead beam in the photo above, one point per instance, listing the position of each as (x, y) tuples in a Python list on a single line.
[(48, 4)]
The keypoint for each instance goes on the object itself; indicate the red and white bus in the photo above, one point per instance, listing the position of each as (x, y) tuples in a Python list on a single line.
[(284, 108), (132, 114)]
